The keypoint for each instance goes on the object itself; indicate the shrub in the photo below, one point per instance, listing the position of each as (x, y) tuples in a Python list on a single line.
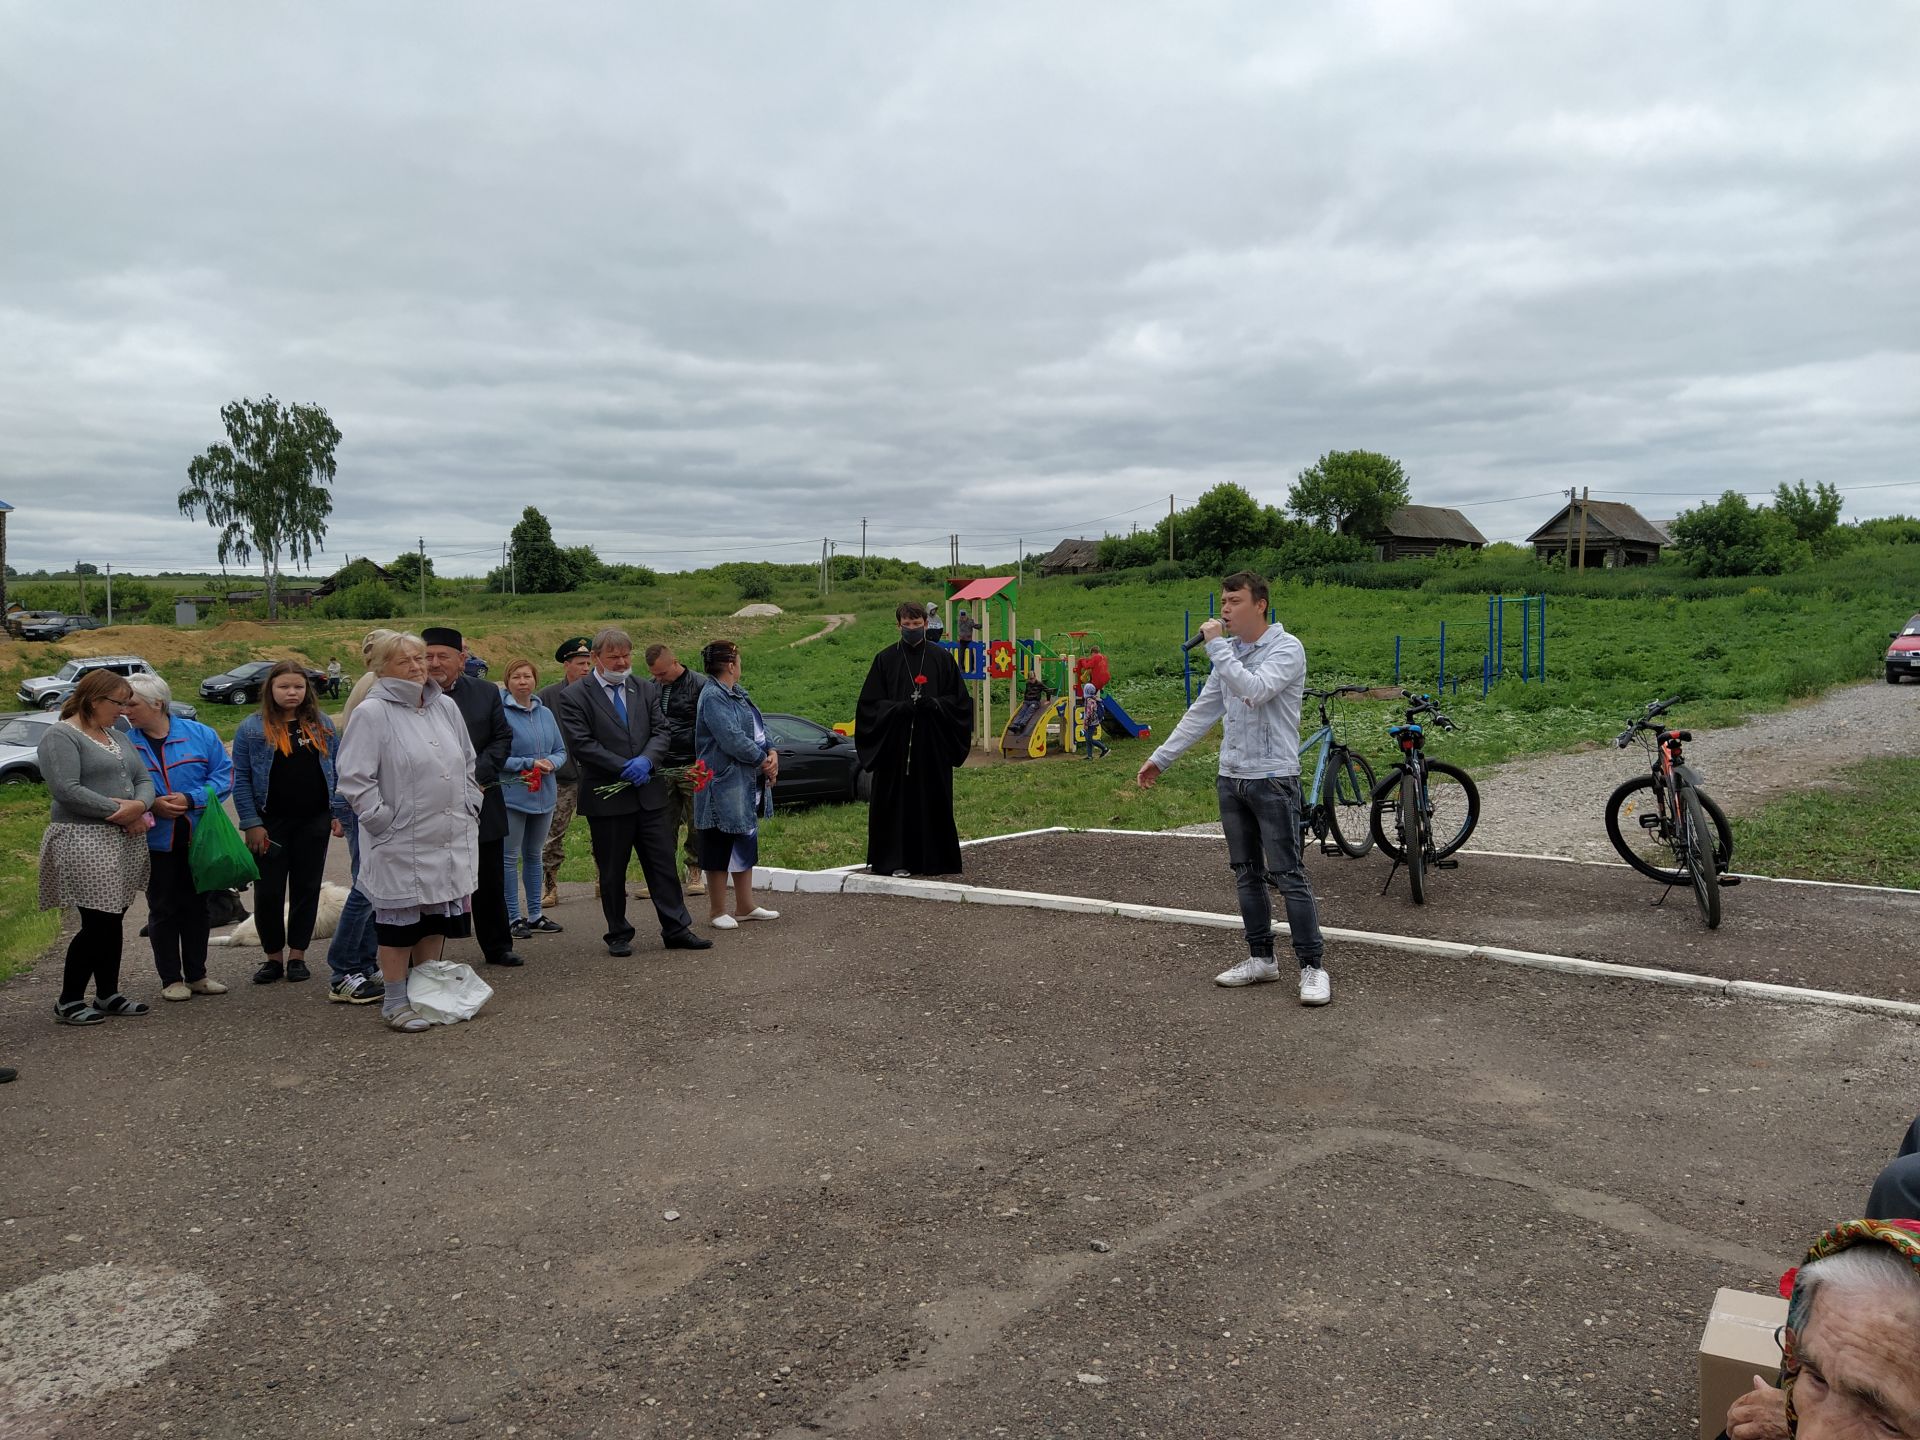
[(369, 600)]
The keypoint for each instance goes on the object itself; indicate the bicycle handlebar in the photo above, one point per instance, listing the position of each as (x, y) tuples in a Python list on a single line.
[(1427, 705), (1654, 709)]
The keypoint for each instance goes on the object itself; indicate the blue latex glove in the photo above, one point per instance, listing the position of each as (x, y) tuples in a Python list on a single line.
[(637, 771)]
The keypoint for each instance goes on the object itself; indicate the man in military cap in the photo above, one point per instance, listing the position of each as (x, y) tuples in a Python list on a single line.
[(576, 656)]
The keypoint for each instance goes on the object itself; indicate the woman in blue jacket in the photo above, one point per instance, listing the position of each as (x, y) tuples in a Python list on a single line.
[(285, 794), (527, 785), (184, 757), (730, 735)]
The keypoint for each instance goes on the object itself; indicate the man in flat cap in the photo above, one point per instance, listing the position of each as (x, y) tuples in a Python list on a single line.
[(486, 716), (576, 656)]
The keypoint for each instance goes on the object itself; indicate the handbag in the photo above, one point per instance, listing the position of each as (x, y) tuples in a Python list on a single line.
[(445, 992), (217, 857)]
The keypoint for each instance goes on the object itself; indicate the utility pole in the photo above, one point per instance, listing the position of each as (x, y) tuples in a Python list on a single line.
[(423, 575), (1020, 563), (81, 575), (1169, 535), (863, 547), (823, 564), (109, 592), (1583, 527), (503, 567)]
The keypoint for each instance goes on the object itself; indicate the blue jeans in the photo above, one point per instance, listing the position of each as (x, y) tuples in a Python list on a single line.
[(1262, 821), (526, 836), (354, 950)]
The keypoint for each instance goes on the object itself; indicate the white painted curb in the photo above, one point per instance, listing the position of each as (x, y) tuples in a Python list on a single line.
[(839, 882)]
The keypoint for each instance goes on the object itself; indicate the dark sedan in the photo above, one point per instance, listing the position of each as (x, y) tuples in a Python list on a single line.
[(58, 629), (815, 763), (242, 684)]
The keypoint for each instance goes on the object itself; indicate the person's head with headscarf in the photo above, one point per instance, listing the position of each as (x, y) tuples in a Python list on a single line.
[(1852, 1339)]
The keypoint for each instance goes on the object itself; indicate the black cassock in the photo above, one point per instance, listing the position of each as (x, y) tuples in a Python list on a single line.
[(911, 747)]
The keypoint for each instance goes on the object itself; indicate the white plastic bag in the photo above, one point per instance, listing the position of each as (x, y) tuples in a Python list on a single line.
[(443, 992)]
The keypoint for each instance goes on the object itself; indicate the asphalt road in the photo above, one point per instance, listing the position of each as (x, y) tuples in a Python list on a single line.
[(845, 1174)]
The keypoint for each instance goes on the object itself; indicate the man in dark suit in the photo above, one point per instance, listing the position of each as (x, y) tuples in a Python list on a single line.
[(615, 727), (486, 717)]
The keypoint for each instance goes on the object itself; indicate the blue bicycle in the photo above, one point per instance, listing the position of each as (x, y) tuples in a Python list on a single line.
[(1338, 786), (1423, 810)]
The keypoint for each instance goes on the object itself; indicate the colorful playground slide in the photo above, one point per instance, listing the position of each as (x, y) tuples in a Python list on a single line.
[(1118, 722)]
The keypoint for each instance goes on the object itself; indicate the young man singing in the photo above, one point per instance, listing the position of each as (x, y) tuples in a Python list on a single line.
[(1259, 672)]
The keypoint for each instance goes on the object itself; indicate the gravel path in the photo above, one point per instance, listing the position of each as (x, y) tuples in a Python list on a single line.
[(1553, 804)]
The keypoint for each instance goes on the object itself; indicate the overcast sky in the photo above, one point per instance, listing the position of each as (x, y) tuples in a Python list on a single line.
[(714, 280)]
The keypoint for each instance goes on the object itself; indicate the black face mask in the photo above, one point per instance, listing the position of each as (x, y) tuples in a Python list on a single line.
[(913, 635)]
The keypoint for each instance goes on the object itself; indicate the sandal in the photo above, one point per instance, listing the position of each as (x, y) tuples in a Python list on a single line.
[(118, 1004), (77, 1012), (407, 1021)]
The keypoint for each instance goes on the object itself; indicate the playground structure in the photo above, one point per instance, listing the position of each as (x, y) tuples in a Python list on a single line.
[(1042, 678), (1496, 659)]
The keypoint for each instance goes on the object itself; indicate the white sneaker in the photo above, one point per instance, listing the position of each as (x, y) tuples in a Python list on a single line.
[(1316, 987), (724, 922), (1254, 970), (760, 912)]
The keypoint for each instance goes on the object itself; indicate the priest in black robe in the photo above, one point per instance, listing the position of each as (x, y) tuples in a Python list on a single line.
[(914, 726)]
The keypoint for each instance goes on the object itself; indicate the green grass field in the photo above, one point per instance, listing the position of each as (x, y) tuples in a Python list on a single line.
[(1858, 828), (1615, 641)]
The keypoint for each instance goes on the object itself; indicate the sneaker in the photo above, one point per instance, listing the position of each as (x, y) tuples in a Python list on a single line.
[(520, 930), (177, 991), (544, 926), (724, 922), (696, 882), (269, 972), (356, 990), (407, 1021), (1316, 987), (297, 970), (204, 986), (760, 912), (1254, 970)]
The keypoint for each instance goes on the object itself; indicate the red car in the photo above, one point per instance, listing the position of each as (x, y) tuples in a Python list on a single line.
[(1903, 655)]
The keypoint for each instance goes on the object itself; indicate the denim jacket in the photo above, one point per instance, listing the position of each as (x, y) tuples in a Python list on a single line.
[(1256, 689), (253, 763), (536, 736), (723, 737), (191, 758)]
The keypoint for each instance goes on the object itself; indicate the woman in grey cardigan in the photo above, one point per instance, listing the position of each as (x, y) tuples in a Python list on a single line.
[(406, 768), (94, 854)]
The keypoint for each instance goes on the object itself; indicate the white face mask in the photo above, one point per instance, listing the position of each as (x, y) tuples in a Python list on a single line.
[(617, 677)]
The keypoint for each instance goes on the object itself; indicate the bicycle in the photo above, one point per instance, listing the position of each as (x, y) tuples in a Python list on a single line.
[(1339, 786), (1668, 842), (1423, 810)]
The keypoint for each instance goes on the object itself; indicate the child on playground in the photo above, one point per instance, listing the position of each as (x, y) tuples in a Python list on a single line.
[(1092, 712)]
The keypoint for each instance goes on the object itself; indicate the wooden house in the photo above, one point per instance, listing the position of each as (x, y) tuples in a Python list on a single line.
[(1417, 531), (1072, 557), (1616, 535)]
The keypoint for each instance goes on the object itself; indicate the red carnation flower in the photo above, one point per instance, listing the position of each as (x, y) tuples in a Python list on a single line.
[(919, 679)]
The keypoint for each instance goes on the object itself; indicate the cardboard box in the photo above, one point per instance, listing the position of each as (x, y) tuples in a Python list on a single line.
[(1736, 1346)]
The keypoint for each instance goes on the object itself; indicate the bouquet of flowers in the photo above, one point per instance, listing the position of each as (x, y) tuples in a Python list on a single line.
[(689, 778)]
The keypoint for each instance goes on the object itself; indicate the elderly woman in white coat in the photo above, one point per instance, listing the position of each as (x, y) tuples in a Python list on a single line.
[(406, 768)]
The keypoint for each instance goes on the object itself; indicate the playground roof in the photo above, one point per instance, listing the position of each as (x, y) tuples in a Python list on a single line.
[(982, 589)]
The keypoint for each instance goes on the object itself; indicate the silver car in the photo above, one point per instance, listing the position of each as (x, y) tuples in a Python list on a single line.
[(49, 692)]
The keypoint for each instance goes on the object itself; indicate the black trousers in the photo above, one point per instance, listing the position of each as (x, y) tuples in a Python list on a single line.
[(649, 834), (288, 893), (93, 954), (177, 919), (1896, 1191), (490, 901)]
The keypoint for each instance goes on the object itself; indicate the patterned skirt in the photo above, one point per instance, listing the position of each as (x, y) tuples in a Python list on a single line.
[(93, 865)]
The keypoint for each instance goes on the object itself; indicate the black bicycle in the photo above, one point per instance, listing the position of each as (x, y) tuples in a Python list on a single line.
[(1338, 786), (1423, 809), (1664, 825)]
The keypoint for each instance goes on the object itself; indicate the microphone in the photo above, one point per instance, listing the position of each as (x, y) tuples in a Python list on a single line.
[(1196, 642)]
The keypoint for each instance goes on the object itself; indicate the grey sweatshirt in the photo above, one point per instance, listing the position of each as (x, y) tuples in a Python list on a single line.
[(85, 780)]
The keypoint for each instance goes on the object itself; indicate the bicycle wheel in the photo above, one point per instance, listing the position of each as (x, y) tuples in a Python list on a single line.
[(1453, 808), (1699, 856), (1351, 782), (1410, 827), (1654, 850), (1384, 822)]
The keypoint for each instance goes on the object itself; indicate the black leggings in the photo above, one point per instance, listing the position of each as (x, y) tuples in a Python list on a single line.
[(93, 954), (288, 894)]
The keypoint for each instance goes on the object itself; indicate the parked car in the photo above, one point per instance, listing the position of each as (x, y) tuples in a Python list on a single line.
[(18, 620), (1903, 655), (58, 628), (241, 685), (815, 763), (20, 746), (476, 667), (49, 692)]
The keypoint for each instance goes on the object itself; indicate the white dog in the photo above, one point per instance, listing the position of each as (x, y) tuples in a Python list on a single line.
[(325, 921)]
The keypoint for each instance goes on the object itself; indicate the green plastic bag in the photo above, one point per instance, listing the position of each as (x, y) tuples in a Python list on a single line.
[(218, 857)]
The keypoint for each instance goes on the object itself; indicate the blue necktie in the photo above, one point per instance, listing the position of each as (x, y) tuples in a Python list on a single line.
[(619, 702)]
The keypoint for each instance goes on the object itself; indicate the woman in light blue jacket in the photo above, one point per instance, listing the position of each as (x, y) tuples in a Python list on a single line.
[(527, 785), (731, 737)]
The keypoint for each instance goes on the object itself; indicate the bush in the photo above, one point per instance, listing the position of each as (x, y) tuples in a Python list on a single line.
[(369, 600), (1162, 571), (755, 586)]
